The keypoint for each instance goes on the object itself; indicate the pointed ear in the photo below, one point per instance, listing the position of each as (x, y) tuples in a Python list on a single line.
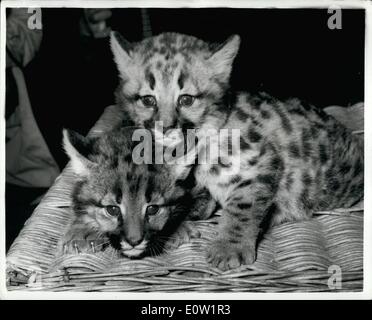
[(77, 148), (182, 166), (223, 57), (121, 50), (181, 172)]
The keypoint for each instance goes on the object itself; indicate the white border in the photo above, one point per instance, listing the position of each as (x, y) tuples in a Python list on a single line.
[(187, 3), (346, 4)]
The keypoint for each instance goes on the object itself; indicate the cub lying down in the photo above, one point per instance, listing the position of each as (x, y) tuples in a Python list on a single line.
[(135, 207)]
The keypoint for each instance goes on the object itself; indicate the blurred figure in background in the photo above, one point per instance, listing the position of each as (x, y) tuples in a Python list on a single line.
[(30, 167), (28, 159)]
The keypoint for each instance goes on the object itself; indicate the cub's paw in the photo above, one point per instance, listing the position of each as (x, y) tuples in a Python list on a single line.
[(225, 255), (77, 241), (185, 232)]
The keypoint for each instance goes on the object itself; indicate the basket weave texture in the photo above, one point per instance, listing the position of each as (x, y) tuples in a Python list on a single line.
[(293, 257)]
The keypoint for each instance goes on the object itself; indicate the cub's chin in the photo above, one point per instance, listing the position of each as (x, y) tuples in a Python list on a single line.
[(133, 253)]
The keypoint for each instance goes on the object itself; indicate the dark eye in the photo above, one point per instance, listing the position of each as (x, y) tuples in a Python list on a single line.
[(185, 100), (113, 210), (152, 209), (149, 101)]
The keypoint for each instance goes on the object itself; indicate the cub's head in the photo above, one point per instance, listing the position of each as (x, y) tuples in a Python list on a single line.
[(137, 205), (173, 78)]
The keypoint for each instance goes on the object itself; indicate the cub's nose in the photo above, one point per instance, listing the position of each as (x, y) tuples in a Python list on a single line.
[(134, 241)]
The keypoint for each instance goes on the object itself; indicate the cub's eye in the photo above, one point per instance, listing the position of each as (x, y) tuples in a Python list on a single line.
[(149, 101), (185, 100), (113, 210), (152, 209)]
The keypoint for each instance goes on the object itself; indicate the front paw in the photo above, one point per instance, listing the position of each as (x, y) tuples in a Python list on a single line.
[(225, 255), (77, 241)]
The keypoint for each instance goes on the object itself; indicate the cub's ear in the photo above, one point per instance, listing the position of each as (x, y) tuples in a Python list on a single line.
[(182, 167), (121, 50), (182, 172), (77, 148), (223, 56)]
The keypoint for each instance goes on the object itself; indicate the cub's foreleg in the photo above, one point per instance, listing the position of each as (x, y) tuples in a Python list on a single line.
[(246, 206)]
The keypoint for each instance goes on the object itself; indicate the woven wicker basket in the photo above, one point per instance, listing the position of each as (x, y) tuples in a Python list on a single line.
[(293, 257)]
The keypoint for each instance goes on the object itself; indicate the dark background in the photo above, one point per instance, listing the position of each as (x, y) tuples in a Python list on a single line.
[(285, 52)]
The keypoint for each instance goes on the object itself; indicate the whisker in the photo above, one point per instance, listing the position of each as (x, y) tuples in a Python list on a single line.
[(152, 253), (156, 251), (160, 247), (168, 238), (102, 244)]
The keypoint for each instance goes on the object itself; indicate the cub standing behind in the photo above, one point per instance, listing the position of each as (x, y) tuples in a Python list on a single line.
[(294, 158)]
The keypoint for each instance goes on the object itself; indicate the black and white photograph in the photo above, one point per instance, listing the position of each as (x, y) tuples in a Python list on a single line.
[(185, 150)]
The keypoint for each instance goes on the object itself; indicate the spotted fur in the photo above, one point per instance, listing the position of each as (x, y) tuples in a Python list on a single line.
[(108, 177), (166, 67), (294, 158)]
